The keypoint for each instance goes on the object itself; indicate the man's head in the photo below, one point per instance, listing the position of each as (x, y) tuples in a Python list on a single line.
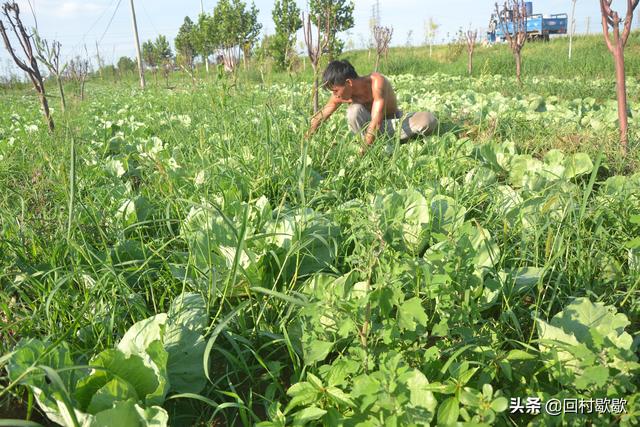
[(338, 78)]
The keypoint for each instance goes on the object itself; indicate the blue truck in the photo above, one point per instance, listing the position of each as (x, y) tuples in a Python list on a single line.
[(539, 26)]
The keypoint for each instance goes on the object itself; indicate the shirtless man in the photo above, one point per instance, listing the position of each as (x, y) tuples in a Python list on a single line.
[(373, 101)]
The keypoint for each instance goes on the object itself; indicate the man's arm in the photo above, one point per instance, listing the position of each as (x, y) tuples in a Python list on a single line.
[(321, 116), (377, 109)]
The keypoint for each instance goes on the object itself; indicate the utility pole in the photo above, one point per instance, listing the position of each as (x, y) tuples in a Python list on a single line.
[(135, 33), (588, 24), (98, 59), (206, 57), (572, 26)]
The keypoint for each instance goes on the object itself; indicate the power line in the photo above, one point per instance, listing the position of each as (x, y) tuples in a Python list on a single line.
[(110, 21), (97, 20), (144, 9)]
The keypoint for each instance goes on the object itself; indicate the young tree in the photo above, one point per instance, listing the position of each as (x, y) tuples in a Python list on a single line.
[(204, 38), (49, 55), (513, 21), (431, 29), (341, 12), (164, 56), (11, 13), (126, 65), (611, 22), (286, 17), (472, 36), (78, 69), (315, 49), (382, 36), (149, 54), (226, 30), (184, 42), (249, 31)]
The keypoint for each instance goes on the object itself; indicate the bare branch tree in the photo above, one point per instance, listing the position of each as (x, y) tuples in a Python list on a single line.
[(50, 57), (317, 48), (382, 36), (11, 13), (610, 18), (513, 21), (472, 36), (78, 69)]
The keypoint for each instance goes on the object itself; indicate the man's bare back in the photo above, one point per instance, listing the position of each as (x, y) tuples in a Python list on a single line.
[(366, 96), (373, 104)]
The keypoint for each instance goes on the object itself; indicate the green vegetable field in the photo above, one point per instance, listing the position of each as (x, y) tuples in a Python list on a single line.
[(184, 256)]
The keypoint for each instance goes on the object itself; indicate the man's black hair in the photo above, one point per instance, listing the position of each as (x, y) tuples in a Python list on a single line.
[(337, 73)]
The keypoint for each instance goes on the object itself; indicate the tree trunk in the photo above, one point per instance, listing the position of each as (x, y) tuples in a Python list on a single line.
[(63, 102), (316, 106), (45, 107), (82, 90), (621, 88), (470, 63), (377, 62), (518, 66), (244, 58)]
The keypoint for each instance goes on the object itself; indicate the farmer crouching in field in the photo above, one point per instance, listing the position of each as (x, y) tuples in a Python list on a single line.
[(373, 103)]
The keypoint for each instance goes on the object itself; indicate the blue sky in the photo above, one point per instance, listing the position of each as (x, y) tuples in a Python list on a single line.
[(78, 22)]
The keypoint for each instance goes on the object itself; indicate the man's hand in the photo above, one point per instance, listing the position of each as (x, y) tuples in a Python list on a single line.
[(369, 137), (321, 116)]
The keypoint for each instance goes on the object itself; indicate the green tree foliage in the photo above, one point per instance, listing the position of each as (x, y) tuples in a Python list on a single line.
[(250, 30), (185, 42), (340, 13), (149, 54), (162, 50), (286, 17), (126, 64), (204, 37), (234, 28)]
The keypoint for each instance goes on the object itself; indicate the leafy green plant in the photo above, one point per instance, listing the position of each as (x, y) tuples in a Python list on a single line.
[(127, 384)]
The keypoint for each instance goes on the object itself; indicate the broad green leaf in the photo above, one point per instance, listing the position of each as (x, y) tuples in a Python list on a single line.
[(154, 416), (137, 370), (403, 219), (311, 413), (500, 404), (420, 395), (122, 414), (411, 313), (577, 325), (577, 164), (128, 414), (30, 353), (446, 214), (302, 393), (339, 396), (524, 277), (184, 342), (115, 390), (593, 375), (141, 334), (316, 351), (448, 412), (523, 169), (554, 157), (188, 310), (581, 315)]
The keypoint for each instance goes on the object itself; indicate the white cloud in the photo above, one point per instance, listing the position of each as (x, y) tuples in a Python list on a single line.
[(58, 9), (73, 8)]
